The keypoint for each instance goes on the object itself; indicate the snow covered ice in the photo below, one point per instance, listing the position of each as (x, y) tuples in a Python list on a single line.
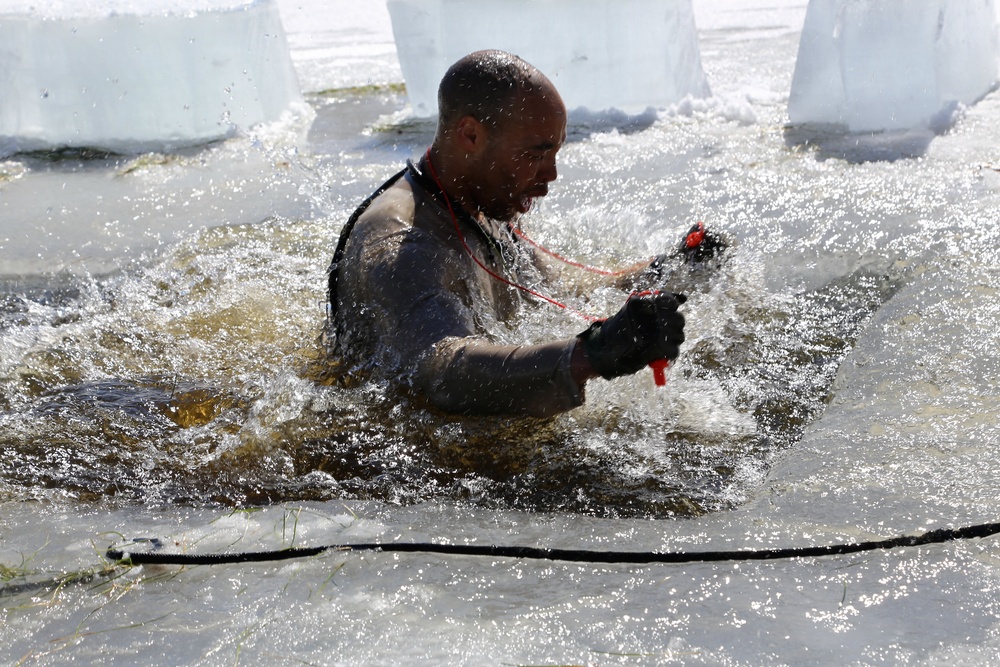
[(628, 55), (129, 77), (892, 65)]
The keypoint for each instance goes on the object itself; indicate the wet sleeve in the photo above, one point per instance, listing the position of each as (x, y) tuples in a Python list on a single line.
[(471, 376)]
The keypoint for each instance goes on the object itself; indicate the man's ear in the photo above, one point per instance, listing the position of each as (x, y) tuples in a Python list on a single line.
[(470, 135)]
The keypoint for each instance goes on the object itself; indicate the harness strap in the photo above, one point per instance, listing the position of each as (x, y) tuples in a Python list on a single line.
[(345, 233)]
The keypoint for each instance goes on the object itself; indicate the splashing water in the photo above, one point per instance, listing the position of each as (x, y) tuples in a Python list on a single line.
[(193, 374)]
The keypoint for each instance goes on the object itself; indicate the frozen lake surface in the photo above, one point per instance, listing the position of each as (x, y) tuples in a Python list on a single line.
[(159, 377)]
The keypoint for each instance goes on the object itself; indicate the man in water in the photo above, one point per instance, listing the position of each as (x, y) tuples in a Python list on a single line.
[(431, 259)]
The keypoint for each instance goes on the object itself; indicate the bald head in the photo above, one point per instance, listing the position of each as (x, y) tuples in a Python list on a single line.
[(500, 125), (490, 86)]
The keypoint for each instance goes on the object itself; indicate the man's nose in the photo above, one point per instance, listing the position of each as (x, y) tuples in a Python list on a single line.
[(548, 171)]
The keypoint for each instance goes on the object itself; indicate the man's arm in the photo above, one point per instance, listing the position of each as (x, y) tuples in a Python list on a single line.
[(472, 376), (422, 300)]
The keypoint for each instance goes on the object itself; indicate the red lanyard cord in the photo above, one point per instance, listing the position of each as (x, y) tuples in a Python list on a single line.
[(493, 274), (566, 260)]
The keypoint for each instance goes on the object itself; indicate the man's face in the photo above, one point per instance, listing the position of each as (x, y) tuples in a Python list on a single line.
[(519, 157)]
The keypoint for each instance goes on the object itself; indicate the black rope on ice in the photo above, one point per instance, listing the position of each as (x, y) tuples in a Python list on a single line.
[(937, 536), (8, 589)]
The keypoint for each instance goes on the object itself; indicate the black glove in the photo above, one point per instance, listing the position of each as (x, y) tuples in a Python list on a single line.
[(656, 269), (647, 328), (700, 245)]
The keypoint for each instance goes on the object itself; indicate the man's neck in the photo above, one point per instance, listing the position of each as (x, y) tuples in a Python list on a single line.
[(449, 180)]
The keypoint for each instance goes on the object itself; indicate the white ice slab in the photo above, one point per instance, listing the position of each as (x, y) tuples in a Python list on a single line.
[(627, 54), (133, 76), (340, 43), (892, 64)]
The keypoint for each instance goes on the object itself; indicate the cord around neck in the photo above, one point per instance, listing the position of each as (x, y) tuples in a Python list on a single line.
[(490, 272)]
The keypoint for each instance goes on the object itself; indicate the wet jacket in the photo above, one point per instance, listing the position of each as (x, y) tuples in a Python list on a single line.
[(409, 303)]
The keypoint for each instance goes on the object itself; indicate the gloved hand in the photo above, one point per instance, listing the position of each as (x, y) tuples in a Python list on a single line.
[(647, 328), (657, 269), (698, 246)]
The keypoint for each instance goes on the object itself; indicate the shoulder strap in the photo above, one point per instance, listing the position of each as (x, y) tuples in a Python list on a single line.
[(345, 233)]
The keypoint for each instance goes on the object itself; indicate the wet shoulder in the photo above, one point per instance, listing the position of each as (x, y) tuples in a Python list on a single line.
[(390, 213), (405, 213)]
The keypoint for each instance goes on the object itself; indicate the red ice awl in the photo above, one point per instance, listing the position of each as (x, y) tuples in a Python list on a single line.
[(659, 366), (659, 371), (695, 237)]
